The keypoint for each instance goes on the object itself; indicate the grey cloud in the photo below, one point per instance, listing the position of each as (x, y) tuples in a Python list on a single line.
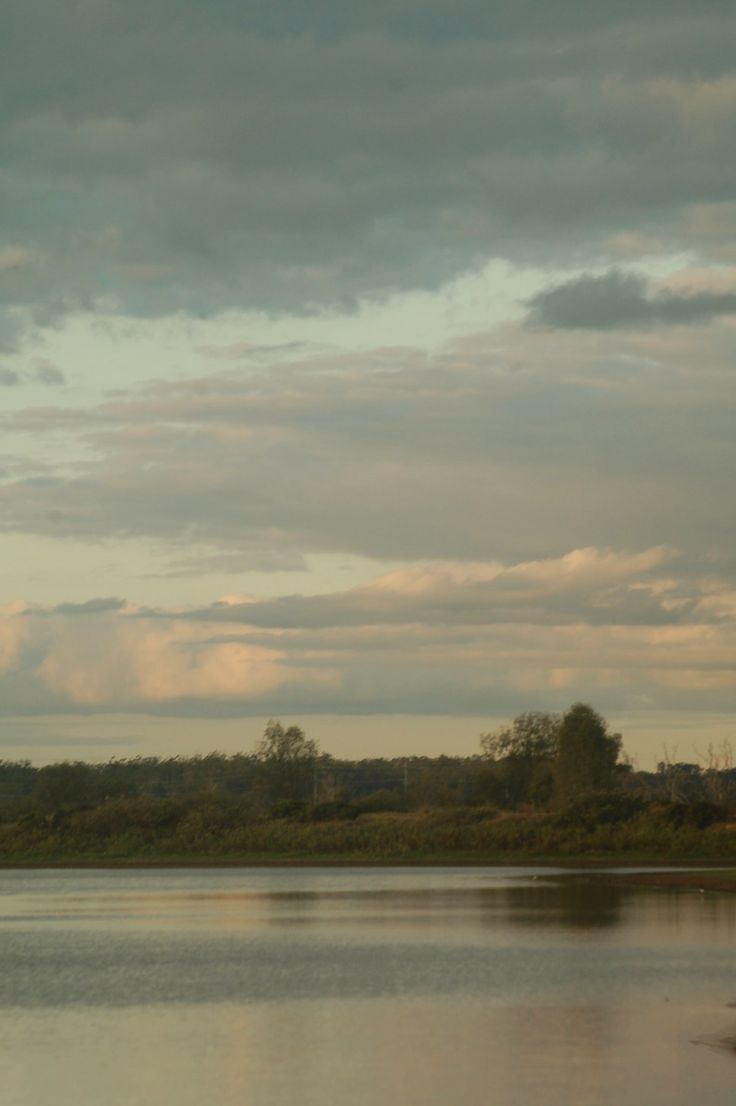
[(250, 557), (12, 329), (48, 374), (240, 351), (620, 299), (475, 607), (181, 158), (91, 606), (43, 373), (469, 454)]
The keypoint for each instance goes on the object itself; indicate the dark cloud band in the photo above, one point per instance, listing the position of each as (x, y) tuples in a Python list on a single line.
[(619, 299), (180, 158)]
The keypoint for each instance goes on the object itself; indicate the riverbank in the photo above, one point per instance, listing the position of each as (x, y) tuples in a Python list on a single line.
[(161, 834), (692, 874)]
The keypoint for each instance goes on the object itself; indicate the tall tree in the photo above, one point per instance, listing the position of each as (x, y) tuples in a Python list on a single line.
[(532, 734), (289, 758), (522, 755), (586, 753)]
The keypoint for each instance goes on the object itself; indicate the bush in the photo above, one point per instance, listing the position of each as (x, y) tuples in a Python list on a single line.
[(380, 802), (289, 808), (676, 814), (334, 810), (606, 808)]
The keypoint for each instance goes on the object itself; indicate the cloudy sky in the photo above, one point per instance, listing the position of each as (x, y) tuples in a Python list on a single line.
[(369, 366)]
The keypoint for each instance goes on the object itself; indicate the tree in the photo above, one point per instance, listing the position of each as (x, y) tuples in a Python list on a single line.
[(586, 754), (522, 755), (67, 785), (532, 735), (289, 758)]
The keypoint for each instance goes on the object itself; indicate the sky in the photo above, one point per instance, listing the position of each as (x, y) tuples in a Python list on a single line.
[(366, 366)]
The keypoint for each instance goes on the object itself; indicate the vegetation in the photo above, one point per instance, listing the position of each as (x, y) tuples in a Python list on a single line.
[(586, 754), (289, 758), (545, 786)]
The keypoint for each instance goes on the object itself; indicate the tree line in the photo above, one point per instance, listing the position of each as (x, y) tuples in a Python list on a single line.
[(542, 786), (539, 761)]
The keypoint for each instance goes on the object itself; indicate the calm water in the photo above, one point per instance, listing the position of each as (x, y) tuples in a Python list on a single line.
[(362, 986)]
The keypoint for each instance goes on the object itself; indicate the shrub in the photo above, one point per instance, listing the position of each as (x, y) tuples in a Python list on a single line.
[(333, 810), (381, 801), (606, 808), (289, 808), (677, 814)]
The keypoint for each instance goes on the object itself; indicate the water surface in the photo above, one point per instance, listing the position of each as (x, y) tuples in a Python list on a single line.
[(362, 986)]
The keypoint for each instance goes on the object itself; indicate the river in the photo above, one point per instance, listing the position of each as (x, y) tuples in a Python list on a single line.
[(360, 987)]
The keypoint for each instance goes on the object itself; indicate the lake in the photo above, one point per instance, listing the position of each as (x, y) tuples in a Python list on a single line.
[(313, 987)]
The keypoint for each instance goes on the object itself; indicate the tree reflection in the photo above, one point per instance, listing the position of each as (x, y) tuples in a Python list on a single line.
[(573, 902)]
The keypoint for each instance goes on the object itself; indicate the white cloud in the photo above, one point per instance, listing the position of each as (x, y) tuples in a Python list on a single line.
[(14, 634), (448, 638), (132, 663), (106, 658)]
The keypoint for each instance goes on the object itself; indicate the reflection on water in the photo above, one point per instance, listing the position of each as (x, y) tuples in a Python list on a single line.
[(362, 986), (566, 903)]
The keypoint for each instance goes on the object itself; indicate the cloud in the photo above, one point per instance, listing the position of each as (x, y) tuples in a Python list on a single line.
[(587, 584), (173, 160), (240, 351), (248, 557), (91, 606), (14, 635), (47, 374), (619, 299), (526, 486), (44, 373), (624, 628), (124, 664), (54, 660), (515, 444)]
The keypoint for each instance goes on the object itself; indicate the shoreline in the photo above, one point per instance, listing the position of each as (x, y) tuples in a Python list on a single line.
[(700, 881), (690, 874)]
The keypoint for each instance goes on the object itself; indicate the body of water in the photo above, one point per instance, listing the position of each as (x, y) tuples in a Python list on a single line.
[(314, 987)]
